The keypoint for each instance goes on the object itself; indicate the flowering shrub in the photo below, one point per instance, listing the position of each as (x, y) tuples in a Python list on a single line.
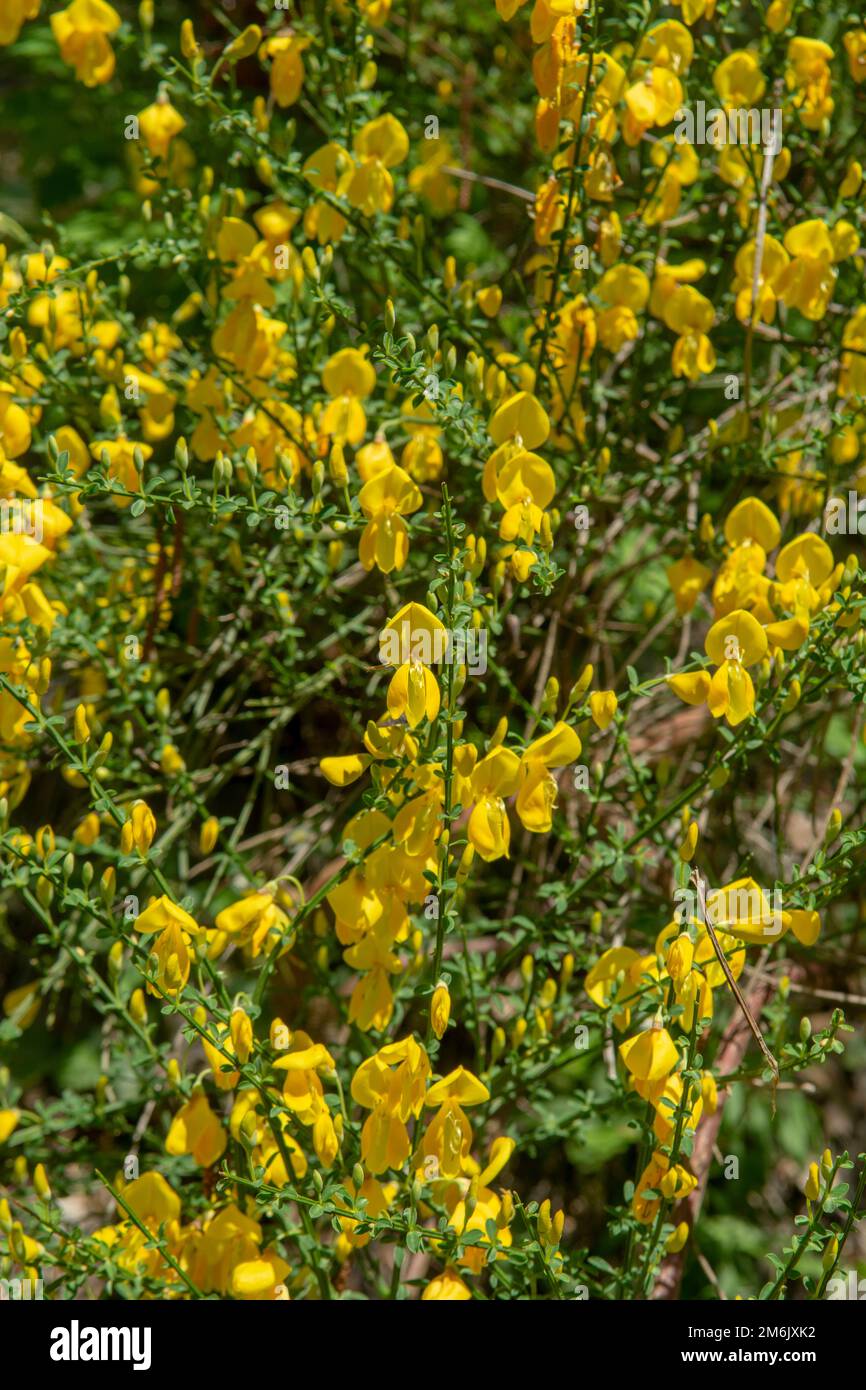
[(431, 668)]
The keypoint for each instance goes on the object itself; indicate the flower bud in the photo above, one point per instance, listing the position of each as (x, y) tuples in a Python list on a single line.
[(689, 843), (138, 1007), (80, 725), (108, 886), (440, 1009), (245, 45), (337, 467), (208, 835), (115, 959)]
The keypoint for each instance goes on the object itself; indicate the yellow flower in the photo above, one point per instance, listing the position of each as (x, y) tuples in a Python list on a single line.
[(731, 693), (689, 843), (329, 168), (744, 910), (189, 45), (196, 1130), (654, 100), (680, 957), (852, 180), (413, 634), (172, 961), (603, 706), (244, 45), (348, 378), (342, 771), (687, 578), (677, 1239), (385, 500), (241, 1030), (760, 305), (751, 520), (413, 693), (807, 281), (807, 557), (536, 792), (494, 778), (669, 44), (691, 315), (252, 919), (669, 1102), (614, 982), (734, 643), (121, 463), (778, 15), (739, 81), (790, 633), (170, 761), (159, 123), (651, 1055), (809, 76), (490, 300), (258, 1280), (520, 417), (8, 1121), (379, 146), (80, 31), (13, 13), (449, 1136), (15, 432), (138, 829), (153, 1200), (138, 1006), (287, 66), (525, 485), (391, 1084), (440, 1009), (80, 725), (162, 913), (447, 1287), (806, 925), (645, 1207), (428, 179)]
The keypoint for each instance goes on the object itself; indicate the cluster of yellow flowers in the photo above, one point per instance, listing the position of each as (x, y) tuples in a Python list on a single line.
[(371, 905), (260, 396), (682, 972), (758, 619)]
